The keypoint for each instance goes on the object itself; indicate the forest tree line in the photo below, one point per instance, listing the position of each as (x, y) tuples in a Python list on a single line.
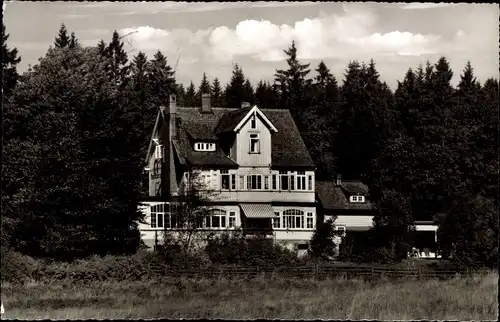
[(76, 128)]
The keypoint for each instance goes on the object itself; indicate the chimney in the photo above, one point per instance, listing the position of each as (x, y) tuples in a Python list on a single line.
[(245, 104), (172, 114), (338, 182), (205, 103)]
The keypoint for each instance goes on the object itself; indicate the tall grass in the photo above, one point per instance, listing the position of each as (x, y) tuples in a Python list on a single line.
[(461, 298)]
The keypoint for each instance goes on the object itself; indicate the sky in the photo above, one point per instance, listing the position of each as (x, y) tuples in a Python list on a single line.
[(211, 36)]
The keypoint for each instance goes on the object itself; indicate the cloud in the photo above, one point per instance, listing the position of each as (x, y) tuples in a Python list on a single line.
[(327, 36), (425, 5)]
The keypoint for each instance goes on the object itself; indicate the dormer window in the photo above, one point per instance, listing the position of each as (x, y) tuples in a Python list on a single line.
[(253, 123), (203, 146), (357, 199)]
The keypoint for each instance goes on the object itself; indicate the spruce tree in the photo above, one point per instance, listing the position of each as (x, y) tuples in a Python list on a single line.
[(73, 42), (249, 93), (62, 40), (235, 91), (118, 69), (161, 78), (202, 89), (216, 90), (10, 60), (191, 95)]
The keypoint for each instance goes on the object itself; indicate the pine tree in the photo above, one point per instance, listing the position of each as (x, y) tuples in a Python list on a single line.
[(9, 65), (204, 88), (181, 94), (292, 83), (118, 70), (73, 42), (249, 93), (216, 90), (235, 91), (62, 40), (161, 78), (191, 95), (102, 48)]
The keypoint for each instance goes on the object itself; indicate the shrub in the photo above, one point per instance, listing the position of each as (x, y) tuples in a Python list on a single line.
[(16, 267), (234, 248), (322, 245)]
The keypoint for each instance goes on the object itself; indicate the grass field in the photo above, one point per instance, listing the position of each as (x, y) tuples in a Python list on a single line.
[(467, 298)]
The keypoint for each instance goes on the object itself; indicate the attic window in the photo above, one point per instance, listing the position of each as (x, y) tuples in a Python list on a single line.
[(202, 146), (357, 199), (253, 123), (158, 152)]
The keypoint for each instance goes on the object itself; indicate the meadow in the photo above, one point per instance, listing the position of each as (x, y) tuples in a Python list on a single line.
[(461, 298)]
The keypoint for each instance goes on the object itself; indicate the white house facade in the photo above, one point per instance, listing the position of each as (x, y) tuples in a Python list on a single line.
[(259, 173)]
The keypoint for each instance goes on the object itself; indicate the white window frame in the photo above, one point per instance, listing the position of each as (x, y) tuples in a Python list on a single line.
[(224, 174), (277, 220), (293, 219), (159, 152), (258, 182), (253, 122), (310, 182), (266, 182), (310, 221), (204, 146), (242, 182), (357, 198), (254, 137), (283, 174), (216, 213), (232, 219), (274, 180), (301, 181)]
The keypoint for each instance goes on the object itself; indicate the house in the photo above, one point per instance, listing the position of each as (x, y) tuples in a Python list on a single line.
[(254, 160), (348, 201)]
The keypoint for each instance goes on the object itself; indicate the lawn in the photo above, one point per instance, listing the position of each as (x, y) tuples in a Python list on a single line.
[(466, 298)]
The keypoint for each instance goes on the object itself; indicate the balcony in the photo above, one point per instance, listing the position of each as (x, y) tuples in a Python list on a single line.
[(258, 233), (264, 196)]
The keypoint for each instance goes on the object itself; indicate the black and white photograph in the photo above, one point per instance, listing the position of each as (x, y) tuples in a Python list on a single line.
[(250, 160)]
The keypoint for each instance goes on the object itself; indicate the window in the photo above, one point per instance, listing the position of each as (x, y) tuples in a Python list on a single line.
[(292, 180), (293, 219), (158, 152), (225, 179), (310, 182), (301, 180), (253, 123), (283, 180), (310, 220), (216, 219), (233, 182), (357, 199), (254, 143), (274, 182), (266, 182), (276, 220), (254, 182), (242, 182), (232, 219), (204, 146), (165, 216)]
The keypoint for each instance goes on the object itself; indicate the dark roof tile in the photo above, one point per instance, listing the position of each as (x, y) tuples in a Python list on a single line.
[(332, 197)]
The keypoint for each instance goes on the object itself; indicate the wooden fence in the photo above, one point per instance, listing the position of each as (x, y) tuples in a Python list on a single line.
[(315, 272)]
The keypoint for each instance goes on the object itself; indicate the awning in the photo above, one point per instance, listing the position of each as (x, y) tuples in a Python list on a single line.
[(258, 210)]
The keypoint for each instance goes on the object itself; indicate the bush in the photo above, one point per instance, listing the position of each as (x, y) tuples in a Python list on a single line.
[(233, 248), (16, 267), (322, 245)]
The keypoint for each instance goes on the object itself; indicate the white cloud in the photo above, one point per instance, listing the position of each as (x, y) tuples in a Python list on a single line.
[(425, 5)]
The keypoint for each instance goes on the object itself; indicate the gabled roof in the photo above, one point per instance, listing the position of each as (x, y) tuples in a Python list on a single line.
[(288, 149), (354, 187), (160, 117), (333, 197)]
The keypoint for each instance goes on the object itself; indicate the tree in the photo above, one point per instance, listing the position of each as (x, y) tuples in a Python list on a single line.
[(322, 242), (190, 95), (292, 82), (73, 42), (190, 214), (266, 95), (204, 88), (84, 150), (249, 93), (118, 69), (161, 78), (62, 40), (9, 65), (216, 90), (235, 90), (181, 94)]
